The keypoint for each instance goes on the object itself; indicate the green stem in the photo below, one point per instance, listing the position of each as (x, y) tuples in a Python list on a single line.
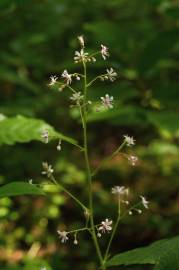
[(92, 81), (79, 230), (68, 192), (93, 232), (109, 158), (112, 235)]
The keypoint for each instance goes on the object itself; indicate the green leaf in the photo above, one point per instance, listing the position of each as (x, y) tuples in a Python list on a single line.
[(169, 260), (36, 264), (19, 188), (21, 129), (145, 255)]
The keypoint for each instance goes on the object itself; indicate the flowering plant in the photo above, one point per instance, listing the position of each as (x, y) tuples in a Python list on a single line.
[(122, 194)]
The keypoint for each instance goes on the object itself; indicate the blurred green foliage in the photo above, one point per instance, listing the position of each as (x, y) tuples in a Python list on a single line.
[(38, 38)]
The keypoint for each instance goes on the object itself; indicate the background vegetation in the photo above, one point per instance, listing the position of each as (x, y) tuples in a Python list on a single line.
[(38, 38)]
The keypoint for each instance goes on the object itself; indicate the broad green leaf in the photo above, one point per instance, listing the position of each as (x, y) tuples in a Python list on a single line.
[(21, 129), (169, 260), (145, 255), (19, 188), (36, 264)]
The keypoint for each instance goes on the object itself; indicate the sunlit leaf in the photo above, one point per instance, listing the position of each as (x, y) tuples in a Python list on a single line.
[(21, 129), (19, 188)]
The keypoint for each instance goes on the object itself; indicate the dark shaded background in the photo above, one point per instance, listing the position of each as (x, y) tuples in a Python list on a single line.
[(37, 39)]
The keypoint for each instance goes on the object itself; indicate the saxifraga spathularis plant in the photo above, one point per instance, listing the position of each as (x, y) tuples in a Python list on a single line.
[(79, 99)]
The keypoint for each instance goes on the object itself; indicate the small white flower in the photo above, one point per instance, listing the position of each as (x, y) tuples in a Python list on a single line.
[(53, 80), (78, 78), (75, 242), (105, 226), (67, 77), (144, 202), (133, 160), (111, 74), (63, 236), (107, 101), (61, 87), (43, 268), (81, 56), (45, 136), (120, 190), (76, 97), (129, 140), (59, 147), (104, 51), (99, 234), (31, 181), (48, 170), (81, 41)]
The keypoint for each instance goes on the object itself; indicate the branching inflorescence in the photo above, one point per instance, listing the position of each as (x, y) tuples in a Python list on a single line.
[(122, 194)]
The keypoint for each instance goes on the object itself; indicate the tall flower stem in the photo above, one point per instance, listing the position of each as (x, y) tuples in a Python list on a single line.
[(89, 178), (113, 233)]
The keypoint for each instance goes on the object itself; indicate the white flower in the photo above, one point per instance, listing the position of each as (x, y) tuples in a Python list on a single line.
[(67, 77), (45, 136), (99, 234), (133, 160), (81, 41), (144, 202), (104, 51), (81, 56), (129, 140), (76, 97), (120, 190), (48, 170), (107, 101), (75, 242), (43, 268), (63, 236), (31, 181), (105, 226), (111, 74), (59, 147), (53, 80)]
